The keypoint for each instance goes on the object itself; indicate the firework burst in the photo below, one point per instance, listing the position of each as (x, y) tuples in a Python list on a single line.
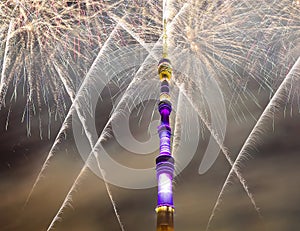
[(46, 47), (236, 43)]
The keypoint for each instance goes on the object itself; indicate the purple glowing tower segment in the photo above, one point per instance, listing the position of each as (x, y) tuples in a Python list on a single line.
[(165, 161), (165, 169), (164, 129)]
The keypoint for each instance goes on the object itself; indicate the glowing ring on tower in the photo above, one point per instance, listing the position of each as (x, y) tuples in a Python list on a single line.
[(165, 69)]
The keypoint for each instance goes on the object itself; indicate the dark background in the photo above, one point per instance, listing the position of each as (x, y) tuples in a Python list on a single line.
[(271, 170), (272, 173)]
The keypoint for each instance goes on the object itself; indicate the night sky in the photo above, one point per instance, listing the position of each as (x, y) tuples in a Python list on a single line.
[(272, 173), (271, 168)]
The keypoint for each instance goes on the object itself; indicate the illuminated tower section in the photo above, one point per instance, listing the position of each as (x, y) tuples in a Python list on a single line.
[(165, 161)]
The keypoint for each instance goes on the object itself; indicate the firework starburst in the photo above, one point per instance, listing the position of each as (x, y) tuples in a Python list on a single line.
[(46, 48)]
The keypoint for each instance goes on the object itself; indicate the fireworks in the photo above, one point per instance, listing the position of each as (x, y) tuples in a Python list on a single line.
[(236, 42), (47, 47)]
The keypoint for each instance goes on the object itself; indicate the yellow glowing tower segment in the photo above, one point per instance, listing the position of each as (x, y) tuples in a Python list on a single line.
[(165, 218)]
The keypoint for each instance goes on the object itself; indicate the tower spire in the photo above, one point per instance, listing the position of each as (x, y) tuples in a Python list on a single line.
[(165, 38), (165, 22), (165, 161)]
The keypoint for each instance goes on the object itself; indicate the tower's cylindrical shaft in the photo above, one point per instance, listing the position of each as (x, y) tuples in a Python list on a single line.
[(165, 161)]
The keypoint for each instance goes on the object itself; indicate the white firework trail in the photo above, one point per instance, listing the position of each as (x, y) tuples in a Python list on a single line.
[(65, 124), (224, 150), (64, 127), (67, 201), (3, 83), (38, 35), (202, 116), (65, 82), (177, 130), (76, 106), (103, 136), (280, 96)]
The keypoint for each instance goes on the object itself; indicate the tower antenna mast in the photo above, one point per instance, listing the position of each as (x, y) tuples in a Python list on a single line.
[(165, 22)]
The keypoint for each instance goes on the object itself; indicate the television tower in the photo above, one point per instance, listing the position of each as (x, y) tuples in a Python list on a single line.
[(165, 161)]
